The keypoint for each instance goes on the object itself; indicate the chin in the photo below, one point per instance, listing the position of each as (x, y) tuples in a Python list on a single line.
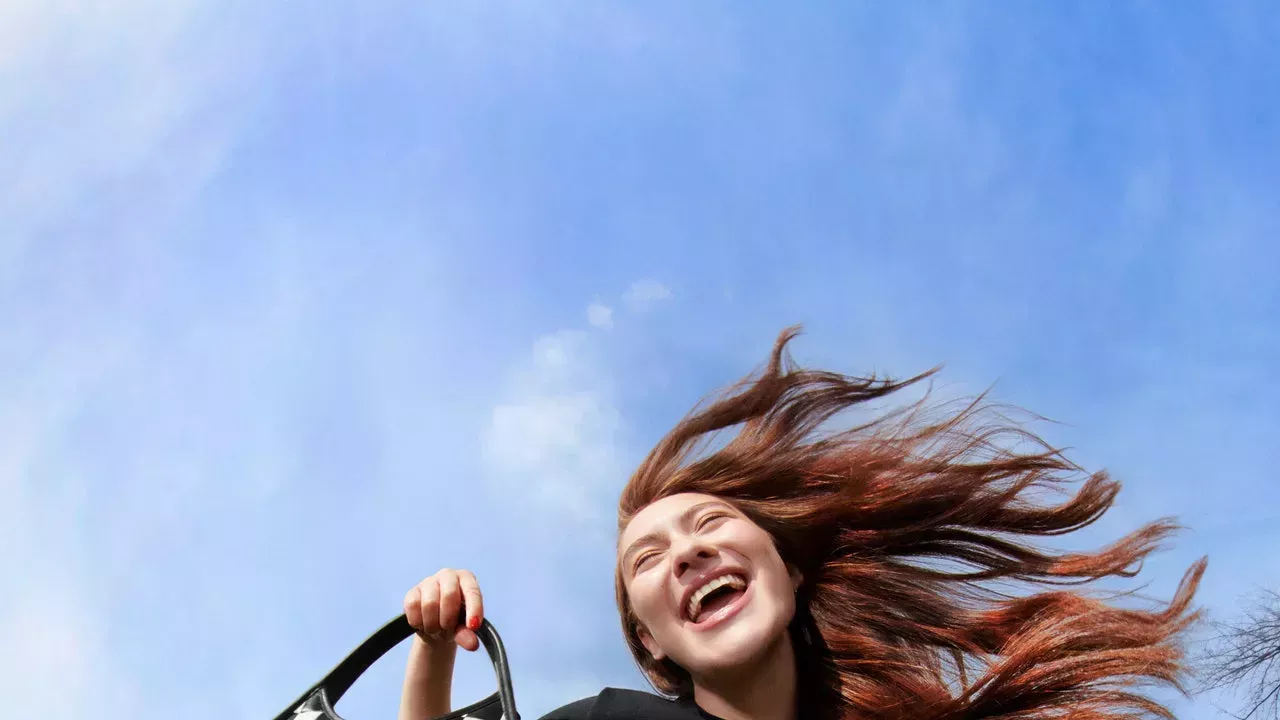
[(737, 643)]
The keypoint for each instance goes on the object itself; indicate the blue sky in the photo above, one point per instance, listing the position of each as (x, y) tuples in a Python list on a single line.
[(299, 305)]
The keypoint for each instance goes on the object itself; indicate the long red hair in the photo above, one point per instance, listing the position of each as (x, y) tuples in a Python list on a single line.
[(911, 530)]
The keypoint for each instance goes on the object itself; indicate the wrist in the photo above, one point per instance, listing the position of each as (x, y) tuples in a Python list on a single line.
[(434, 654)]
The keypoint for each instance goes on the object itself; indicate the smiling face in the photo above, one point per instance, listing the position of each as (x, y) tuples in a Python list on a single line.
[(707, 584)]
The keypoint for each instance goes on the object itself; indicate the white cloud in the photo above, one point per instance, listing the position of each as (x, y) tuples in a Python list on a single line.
[(600, 315), (644, 294), (552, 441)]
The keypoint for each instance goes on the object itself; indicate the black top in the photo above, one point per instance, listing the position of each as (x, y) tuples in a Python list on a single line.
[(616, 704)]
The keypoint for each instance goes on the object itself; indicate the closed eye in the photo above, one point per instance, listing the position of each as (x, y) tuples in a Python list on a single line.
[(709, 518), (645, 560)]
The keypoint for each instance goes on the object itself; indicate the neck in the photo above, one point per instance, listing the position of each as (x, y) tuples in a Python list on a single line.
[(763, 690)]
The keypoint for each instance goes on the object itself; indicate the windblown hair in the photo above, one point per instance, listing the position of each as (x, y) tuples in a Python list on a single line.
[(911, 530)]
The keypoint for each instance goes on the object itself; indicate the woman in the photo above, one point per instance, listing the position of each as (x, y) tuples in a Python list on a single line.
[(866, 573)]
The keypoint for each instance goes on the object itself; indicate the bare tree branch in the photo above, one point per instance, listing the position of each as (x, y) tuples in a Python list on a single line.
[(1244, 657)]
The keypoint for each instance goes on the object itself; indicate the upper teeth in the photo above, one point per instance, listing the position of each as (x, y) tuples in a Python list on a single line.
[(695, 600)]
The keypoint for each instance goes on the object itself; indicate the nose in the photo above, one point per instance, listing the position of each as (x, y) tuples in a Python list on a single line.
[(690, 554)]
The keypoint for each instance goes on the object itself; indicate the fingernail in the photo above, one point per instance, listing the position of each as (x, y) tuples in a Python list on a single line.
[(473, 623)]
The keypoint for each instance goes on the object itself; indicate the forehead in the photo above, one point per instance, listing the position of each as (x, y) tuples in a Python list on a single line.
[(662, 513)]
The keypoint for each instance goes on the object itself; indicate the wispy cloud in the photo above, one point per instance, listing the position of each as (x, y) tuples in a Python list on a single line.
[(553, 441), (136, 104), (114, 118), (644, 295), (600, 315), (54, 663)]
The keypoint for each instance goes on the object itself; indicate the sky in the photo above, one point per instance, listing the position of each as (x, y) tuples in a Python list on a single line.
[(300, 304)]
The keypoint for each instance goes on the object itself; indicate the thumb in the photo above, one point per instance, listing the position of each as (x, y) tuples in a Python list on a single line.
[(466, 639)]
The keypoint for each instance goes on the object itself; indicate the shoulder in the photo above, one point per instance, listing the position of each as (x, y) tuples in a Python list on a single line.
[(622, 704), (579, 710)]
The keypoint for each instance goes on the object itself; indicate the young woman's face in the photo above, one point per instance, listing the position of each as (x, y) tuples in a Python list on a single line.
[(707, 584)]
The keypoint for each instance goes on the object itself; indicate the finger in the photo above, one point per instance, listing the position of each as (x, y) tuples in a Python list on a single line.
[(413, 608), (450, 602), (473, 599), (431, 607), (466, 639)]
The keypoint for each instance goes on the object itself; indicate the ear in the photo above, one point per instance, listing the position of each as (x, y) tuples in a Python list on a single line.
[(797, 578), (650, 644)]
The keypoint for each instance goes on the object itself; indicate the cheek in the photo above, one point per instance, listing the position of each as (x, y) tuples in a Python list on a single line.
[(771, 565), (646, 601), (760, 547)]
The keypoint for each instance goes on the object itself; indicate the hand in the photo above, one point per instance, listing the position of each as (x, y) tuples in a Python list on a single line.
[(435, 606)]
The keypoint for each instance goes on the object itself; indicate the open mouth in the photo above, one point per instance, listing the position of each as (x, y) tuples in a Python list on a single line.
[(714, 597)]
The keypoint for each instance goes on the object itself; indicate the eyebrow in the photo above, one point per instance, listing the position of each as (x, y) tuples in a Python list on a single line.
[(652, 538)]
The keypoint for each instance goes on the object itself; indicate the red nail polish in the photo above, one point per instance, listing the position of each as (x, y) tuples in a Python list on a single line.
[(473, 623)]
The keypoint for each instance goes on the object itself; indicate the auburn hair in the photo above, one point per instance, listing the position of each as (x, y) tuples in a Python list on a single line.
[(923, 598)]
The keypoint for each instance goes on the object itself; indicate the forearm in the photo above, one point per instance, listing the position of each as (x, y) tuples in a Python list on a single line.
[(428, 680)]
